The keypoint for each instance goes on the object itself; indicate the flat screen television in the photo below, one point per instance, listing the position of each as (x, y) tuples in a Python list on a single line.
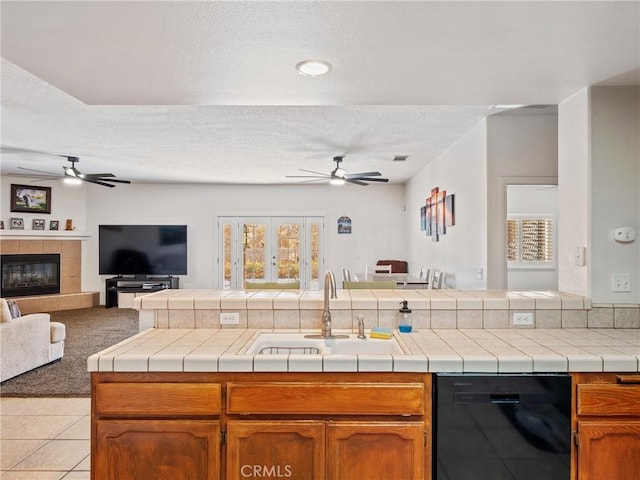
[(142, 250)]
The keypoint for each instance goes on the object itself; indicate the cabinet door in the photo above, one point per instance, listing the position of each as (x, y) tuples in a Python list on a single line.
[(156, 449), (608, 450), (376, 450), (275, 449)]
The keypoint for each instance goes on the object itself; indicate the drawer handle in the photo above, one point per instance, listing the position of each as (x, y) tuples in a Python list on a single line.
[(628, 378)]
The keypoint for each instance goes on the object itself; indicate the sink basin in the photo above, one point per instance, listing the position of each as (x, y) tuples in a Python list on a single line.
[(296, 343)]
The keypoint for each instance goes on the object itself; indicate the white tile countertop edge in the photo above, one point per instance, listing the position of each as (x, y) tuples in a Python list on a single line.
[(428, 350)]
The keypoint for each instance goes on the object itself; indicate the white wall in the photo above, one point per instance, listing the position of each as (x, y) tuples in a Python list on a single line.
[(574, 209), (67, 201), (461, 252), (378, 221), (521, 149), (533, 200), (615, 189)]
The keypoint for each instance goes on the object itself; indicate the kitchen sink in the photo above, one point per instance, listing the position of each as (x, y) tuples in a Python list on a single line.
[(296, 343)]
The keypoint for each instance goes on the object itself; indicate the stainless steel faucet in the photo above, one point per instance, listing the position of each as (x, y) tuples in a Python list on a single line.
[(361, 334), (329, 288), (329, 292)]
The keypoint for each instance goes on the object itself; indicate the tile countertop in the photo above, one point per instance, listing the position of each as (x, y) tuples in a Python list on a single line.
[(445, 350)]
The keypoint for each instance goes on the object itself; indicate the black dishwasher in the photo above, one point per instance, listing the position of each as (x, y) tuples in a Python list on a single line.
[(502, 427)]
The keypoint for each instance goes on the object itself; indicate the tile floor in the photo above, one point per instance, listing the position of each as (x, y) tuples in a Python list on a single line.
[(45, 438)]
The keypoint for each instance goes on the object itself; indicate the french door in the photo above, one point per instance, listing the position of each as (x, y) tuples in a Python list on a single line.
[(267, 250)]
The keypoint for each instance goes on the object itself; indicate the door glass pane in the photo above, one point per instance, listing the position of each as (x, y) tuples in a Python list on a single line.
[(253, 251), (288, 251), (227, 255), (314, 246)]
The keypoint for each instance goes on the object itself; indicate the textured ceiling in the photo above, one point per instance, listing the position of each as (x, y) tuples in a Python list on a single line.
[(207, 91)]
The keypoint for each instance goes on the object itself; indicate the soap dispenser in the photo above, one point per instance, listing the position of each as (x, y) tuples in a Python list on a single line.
[(405, 320)]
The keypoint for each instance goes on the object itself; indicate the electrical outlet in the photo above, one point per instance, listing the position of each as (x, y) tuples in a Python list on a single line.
[(523, 318), (229, 318), (620, 282)]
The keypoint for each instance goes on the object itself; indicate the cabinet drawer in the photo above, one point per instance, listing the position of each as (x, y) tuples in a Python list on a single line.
[(158, 399), (608, 399), (326, 398)]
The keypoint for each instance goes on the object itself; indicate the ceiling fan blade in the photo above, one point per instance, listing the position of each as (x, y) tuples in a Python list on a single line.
[(39, 171), (363, 174), (308, 176), (311, 171), (357, 182), (315, 180), (117, 180), (97, 175), (97, 182), (366, 179)]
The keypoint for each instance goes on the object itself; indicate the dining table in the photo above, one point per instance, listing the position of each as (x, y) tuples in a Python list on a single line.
[(403, 280)]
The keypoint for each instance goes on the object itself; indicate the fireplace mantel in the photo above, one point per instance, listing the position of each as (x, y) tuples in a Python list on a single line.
[(44, 234)]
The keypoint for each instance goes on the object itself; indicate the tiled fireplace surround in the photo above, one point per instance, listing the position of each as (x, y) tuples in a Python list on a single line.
[(70, 296)]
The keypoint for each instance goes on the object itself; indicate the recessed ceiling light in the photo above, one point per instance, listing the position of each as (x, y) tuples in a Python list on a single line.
[(313, 68)]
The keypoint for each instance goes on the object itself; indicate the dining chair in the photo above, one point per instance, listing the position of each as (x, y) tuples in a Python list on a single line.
[(436, 281), (422, 274), (346, 275)]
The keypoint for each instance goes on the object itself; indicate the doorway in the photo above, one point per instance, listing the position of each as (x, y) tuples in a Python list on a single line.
[(271, 250), (531, 230)]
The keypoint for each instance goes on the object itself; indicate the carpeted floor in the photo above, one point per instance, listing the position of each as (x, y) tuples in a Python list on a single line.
[(89, 331)]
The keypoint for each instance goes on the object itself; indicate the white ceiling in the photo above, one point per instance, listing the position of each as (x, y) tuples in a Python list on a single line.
[(207, 92)]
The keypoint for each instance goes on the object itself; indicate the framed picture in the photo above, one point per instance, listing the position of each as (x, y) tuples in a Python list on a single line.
[(54, 224), (1, 224), (26, 198), (38, 224), (344, 225), (16, 224)]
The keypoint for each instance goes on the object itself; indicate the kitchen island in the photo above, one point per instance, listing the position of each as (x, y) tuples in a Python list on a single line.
[(192, 403)]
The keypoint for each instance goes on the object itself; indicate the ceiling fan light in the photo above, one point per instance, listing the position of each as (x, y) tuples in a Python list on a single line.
[(72, 180), (337, 181), (313, 68)]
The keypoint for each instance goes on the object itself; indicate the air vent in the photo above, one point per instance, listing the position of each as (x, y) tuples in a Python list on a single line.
[(400, 158)]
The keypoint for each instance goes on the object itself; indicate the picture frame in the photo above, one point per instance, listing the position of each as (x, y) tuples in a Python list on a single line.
[(30, 199), (16, 223), (54, 225), (38, 224), (1, 224)]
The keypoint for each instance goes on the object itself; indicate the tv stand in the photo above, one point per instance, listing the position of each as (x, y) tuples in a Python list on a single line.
[(136, 284)]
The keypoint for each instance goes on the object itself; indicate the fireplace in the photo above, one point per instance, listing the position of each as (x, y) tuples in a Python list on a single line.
[(30, 274)]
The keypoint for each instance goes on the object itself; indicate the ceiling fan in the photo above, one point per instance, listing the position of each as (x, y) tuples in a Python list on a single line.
[(339, 176), (71, 174)]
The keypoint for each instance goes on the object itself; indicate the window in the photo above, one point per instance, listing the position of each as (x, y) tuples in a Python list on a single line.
[(530, 241)]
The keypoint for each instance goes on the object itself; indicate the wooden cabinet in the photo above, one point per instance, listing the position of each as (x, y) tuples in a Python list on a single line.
[(293, 449), (375, 450), (153, 426), (307, 426), (606, 426), (315, 450), (368, 429), (172, 449)]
